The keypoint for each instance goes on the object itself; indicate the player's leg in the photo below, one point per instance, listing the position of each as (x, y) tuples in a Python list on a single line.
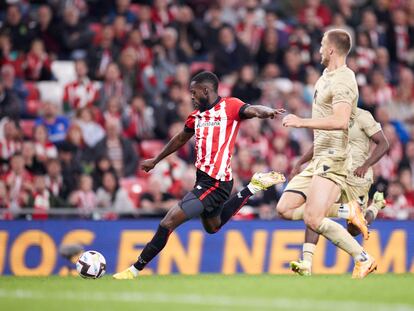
[(175, 217), (304, 266), (316, 208), (213, 222), (378, 203)]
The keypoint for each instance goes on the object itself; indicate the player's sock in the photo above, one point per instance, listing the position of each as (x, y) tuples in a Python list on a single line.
[(134, 270), (234, 204), (307, 252), (153, 247), (340, 237)]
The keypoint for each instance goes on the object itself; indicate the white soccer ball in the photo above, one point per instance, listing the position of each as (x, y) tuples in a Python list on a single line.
[(91, 265)]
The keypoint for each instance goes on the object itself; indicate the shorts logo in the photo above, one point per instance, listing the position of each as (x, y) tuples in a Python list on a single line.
[(199, 187), (325, 168)]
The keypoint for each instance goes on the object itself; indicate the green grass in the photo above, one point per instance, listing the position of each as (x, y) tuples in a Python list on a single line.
[(210, 292)]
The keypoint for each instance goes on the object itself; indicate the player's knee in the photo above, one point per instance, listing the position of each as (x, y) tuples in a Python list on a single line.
[(312, 221), (168, 223), (283, 210)]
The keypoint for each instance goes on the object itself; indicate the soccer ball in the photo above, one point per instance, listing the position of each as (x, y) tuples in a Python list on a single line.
[(91, 265)]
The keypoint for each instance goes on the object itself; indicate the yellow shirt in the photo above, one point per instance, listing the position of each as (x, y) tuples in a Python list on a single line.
[(333, 87), (362, 129)]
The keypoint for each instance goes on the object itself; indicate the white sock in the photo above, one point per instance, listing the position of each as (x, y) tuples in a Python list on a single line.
[(253, 189), (134, 270), (361, 257), (344, 211)]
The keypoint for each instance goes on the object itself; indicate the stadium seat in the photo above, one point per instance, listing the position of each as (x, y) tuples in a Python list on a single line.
[(64, 71), (27, 127), (51, 91), (134, 187), (150, 148)]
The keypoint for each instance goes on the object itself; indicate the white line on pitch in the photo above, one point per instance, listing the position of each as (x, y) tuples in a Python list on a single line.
[(202, 300)]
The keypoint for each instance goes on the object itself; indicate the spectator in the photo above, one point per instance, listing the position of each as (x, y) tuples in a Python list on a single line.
[(44, 148), (143, 53), (399, 37), (31, 164), (230, 55), (45, 30), (397, 207), (54, 179), (102, 165), (315, 14), (99, 57), (112, 197), (71, 168), (82, 92), (16, 28), (214, 23), (4, 199), (38, 64), (375, 32), (190, 39), (130, 72), (112, 86), (56, 125), (364, 52), (162, 13), (154, 200), (249, 30), (92, 132), (84, 198), (149, 31), (13, 83), (269, 51), (381, 89), (245, 88), (40, 199), (141, 121), (9, 103), (119, 150), (11, 142), (114, 111), (292, 67), (8, 55), (122, 8), (75, 35), (121, 29), (18, 182), (173, 52)]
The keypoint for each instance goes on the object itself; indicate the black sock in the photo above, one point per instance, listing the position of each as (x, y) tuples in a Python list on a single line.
[(234, 204), (153, 247)]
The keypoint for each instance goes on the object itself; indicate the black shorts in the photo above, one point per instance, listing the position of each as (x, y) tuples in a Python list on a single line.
[(212, 193)]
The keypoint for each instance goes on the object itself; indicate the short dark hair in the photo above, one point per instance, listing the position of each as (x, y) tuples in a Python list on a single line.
[(341, 39), (207, 77)]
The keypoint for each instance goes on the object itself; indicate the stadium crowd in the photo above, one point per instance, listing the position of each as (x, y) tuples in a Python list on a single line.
[(89, 88)]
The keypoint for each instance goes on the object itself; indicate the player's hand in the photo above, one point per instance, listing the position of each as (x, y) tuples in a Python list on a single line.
[(292, 121), (271, 113), (148, 165), (295, 171), (361, 171)]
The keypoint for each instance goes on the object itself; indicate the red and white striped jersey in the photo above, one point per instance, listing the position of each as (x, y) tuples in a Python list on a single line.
[(215, 133)]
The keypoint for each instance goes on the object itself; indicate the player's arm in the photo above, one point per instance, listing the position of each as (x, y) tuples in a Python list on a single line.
[(260, 111), (306, 157), (173, 145), (337, 121), (381, 147)]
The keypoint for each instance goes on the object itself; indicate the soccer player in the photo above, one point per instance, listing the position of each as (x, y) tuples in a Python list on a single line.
[(215, 123), (334, 107), (363, 130)]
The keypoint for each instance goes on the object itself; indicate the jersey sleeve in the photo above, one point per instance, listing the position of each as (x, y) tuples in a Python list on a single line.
[(189, 126), (237, 108), (368, 124), (341, 92)]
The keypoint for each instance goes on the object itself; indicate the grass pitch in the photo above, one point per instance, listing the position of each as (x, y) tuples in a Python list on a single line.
[(210, 292)]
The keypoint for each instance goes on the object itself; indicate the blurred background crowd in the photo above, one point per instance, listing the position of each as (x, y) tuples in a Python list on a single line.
[(89, 88)]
